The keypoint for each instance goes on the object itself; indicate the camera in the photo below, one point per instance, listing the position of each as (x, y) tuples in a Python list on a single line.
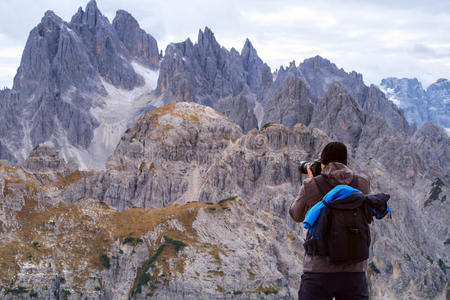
[(315, 165)]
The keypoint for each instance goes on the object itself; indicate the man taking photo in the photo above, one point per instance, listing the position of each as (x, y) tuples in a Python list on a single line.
[(321, 278)]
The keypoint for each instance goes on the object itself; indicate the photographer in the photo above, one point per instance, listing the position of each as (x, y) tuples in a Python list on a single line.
[(322, 279)]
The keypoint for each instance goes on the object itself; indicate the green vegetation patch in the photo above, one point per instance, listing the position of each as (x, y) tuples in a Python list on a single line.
[(267, 125), (269, 291), (144, 278), (33, 294), (66, 293), (178, 244), (17, 291), (131, 240), (223, 201), (105, 260)]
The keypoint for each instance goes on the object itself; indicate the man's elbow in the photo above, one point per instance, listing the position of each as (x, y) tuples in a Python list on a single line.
[(294, 215)]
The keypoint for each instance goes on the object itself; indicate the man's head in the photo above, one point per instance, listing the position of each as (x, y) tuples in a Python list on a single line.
[(334, 152)]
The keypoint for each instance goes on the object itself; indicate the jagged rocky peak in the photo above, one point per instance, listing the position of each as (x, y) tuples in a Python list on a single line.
[(433, 145), (290, 103), (106, 51), (406, 86), (420, 105), (182, 131), (259, 74), (207, 42), (439, 92), (206, 71), (367, 135), (209, 74), (376, 103), (44, 158), (318, 62), (90, 16), (339, 115), (409, 95), (439, 103), (319, 73), (40, 49), (441, 82), (142, 46)]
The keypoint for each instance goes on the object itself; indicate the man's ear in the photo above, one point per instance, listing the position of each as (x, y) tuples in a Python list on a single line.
[(322, 165)]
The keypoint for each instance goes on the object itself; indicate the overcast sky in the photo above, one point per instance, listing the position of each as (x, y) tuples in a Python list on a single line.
[(376, 38)]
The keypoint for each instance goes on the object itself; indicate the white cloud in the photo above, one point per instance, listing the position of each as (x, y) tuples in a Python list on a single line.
[(11, 52)]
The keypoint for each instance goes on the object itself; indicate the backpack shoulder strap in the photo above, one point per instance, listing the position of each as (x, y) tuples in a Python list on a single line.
[(323, 185)]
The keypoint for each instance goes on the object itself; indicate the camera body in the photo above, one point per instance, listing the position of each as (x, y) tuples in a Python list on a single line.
[(315, 166)]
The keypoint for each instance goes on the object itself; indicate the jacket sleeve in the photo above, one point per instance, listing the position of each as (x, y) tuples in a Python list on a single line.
[(297, 210), (364, 184)]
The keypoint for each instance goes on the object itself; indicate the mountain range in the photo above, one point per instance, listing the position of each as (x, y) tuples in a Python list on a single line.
[(419, 105), (127, 173)]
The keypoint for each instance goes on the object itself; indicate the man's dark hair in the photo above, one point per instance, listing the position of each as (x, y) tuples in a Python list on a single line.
[(334, 152)]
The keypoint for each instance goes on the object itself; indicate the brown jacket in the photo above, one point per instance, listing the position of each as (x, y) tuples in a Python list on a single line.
[(309, 195)]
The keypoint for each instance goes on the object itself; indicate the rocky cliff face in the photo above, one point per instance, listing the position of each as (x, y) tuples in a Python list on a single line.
[(319, 74), (214, 212), (420, 106), (289, 104), (66, 87), (107, 53), (408, 95), (439, 102), (140, 45), (208, 74)]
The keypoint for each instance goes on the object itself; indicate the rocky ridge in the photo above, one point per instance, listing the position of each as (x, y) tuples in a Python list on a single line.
[(209, 74), (420, 105)]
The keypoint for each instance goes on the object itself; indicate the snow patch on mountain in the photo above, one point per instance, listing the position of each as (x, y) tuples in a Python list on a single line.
[(259, 113), (389, 92), (114, 113)]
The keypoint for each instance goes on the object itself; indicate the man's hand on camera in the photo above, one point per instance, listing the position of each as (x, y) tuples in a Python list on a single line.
[(310, 174)]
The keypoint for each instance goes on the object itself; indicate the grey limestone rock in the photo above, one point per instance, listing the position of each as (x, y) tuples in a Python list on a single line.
[(237, 109), (377, 104), (439, 102), (433, 145), (140, 44), (44, 158), (289, 104), (53, 69), (70, 72), (208, 74), (319, 74), (419, 105), (339, 115), (367, 136), (259, 75), (409, 95), (107, 53)]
